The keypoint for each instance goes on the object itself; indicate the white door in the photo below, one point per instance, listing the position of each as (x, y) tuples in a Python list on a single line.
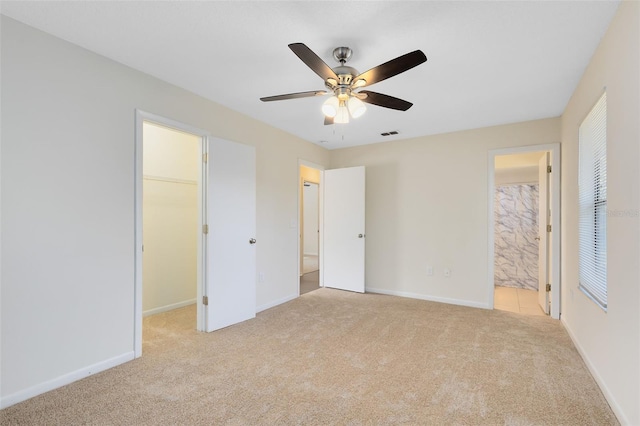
[(344, 232), (231, 217), (543, 221)]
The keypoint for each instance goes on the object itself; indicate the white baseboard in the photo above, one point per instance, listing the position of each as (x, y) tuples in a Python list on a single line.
[(615, 407), (66, 379), (168, 307), (276, 303), (410, 295)]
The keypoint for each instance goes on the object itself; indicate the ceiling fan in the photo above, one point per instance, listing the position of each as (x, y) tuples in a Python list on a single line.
[(343, 82)]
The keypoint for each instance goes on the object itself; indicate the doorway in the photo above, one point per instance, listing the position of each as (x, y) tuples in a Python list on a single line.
[(170, 189), (523, 246), (226, 229), (516, 218), (309, 246), (170, 181)]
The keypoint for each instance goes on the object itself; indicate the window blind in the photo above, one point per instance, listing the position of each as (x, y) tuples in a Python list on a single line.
[(592, 200)]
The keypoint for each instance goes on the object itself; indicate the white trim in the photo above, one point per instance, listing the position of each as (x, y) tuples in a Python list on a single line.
[(321, 168), (554, 149), (468, 303), (278, 302), (66, 379), (170, 307), (615, 407), (170, 179), (140, 118)]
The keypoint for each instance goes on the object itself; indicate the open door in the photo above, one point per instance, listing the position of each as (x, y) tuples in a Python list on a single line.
[(344, 231), (230, 278), (543, 233)]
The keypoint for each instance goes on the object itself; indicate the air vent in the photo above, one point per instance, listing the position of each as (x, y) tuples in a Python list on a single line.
[(393, 132)]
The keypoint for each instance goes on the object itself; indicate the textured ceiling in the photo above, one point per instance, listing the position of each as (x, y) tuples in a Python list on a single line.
[(488, 63)]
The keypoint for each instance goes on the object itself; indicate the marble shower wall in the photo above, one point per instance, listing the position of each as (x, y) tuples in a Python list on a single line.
[(516, 227)]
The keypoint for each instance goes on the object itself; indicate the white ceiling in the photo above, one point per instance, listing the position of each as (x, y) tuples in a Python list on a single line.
[(489, 63)]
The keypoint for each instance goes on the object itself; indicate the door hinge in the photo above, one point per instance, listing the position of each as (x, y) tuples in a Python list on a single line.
[(205, 157), (548, 287), (548, 228), (548, 169), (205, 300), (205, 229)]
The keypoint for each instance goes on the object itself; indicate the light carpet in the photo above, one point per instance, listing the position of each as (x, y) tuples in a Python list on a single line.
[(309, 282), (333, 357)]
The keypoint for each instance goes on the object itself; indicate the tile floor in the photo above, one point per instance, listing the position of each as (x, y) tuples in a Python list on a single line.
[(517, 300)]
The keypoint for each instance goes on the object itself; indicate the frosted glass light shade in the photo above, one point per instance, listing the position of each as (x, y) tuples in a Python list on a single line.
[(356, 107), (330, 107), (342, 116)]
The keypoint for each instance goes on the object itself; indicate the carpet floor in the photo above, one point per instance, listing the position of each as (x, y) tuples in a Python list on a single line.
[(334, 357), (309, 282)]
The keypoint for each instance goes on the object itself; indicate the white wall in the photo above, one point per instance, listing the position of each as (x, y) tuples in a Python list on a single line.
[(67, 170), (310, 221), (426, 204), (609, 341), (171, 167)]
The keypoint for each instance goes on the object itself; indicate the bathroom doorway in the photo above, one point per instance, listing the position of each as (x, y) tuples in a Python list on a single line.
[(523, 263)]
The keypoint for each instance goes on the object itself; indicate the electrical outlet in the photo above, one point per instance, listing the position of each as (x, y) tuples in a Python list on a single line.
[(261, 277), (447, 272), (429, 270)]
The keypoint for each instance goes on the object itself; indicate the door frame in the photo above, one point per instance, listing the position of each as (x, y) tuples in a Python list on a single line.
[(304, 212), (140, 118), (554, 149), (321, 168)]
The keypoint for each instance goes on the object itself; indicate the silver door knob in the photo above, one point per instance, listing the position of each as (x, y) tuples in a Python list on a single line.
[(252, 241), (360, 235)]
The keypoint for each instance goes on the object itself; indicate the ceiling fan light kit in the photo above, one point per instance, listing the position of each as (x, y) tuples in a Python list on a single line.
[(342, 117), (330, 106), (343, 80), (356, 107)]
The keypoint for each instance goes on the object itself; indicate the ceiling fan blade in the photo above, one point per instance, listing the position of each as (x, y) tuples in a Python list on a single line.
[(328, 120), (313, 61), (384, 100), (391, 68), (294, 95)]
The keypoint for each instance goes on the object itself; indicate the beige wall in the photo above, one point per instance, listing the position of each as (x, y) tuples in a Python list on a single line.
[(68, 126), (426, 204), (517, 168), (516, 175), (609, 341), (309, 174)]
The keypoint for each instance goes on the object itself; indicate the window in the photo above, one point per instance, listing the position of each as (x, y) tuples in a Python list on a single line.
[(592, 200)]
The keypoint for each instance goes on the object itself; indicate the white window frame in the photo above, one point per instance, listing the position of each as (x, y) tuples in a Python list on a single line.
[(592, 201)]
